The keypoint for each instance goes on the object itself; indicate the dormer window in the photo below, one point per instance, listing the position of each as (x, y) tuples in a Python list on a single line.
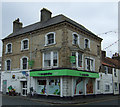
[(50, 38), (87, 43), (75, 39), (9, 48), (25, 44)]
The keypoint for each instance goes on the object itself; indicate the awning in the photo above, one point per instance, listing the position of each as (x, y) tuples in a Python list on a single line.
[(63, 72)]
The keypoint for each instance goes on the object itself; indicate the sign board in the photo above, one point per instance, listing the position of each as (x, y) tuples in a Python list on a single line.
[(63, 72), (72, 59)]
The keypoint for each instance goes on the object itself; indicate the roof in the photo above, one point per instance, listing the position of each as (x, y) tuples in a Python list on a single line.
[(111, 62), (52, 21)]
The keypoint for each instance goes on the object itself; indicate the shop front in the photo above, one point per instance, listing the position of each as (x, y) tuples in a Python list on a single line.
[(64, 82)]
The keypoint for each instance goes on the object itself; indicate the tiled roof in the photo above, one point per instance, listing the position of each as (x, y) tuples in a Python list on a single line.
[(52, 21), (111, 61)]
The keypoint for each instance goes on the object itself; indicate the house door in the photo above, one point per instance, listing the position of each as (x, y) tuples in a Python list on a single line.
[(24, 88), (4, 86)]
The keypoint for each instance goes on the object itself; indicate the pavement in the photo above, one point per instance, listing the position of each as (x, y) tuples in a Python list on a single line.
[(69, 100)]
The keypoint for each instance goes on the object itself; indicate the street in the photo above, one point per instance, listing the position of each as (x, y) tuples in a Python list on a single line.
[(23, 101)]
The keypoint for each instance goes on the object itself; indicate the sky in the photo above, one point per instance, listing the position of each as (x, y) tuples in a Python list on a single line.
[(99, 17)]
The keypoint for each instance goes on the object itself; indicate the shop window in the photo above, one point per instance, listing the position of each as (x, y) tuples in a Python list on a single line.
[(107, 88), (9, 48), (54, 86), (41, 89), (25, 44), (90, 64), (41, 82), (78, 86), (89, 86), (50, 59)]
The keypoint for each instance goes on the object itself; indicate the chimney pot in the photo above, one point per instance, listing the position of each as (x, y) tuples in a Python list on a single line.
[(17, 25), (45, 14)]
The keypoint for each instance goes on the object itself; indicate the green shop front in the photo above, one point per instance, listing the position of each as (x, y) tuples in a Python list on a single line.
[(63, 82)]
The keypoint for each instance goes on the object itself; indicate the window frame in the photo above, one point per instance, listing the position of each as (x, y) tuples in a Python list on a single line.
[(78, 38), (76, 59), (22, 44), (115, 72), (106, 69), (51, 60), (21, 62), (7, 48), (98, 85), (46, 38), (6, 65), (93, 67), (88, 43)]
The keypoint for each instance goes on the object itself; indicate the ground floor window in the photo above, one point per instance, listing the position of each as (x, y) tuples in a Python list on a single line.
[(107, 87), (116, 87), (41, 87), (78, 86), (54, 86), (89, 86)]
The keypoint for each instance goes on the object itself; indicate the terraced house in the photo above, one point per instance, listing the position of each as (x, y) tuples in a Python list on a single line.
[(55, 56)]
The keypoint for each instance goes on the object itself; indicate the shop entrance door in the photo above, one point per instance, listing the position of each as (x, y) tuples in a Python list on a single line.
[(24, 88)]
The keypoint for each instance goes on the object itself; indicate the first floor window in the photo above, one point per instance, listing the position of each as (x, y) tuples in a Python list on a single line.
[(8, 65), (47, 59), (50, 59), (89, 64), (77, 59), (24, 63)]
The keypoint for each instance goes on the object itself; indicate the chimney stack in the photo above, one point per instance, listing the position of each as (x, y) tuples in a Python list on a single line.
[(17, 25), (45, 14)]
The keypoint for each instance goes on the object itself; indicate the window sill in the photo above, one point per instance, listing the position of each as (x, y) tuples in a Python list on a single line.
[(8, 53), (24, 49), (50, 44)]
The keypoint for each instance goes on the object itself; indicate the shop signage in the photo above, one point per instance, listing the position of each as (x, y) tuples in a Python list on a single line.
[(63, 72)]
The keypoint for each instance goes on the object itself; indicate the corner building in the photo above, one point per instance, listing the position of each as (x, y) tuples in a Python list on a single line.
[(56, 56)]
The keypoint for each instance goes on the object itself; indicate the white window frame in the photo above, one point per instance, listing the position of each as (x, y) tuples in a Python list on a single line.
[(78, 37), (6, 64), (23, 44), (21, 63), (51, 60), (7, 48), (93, 69), (46, 38), (76, 56), (88, 43)]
